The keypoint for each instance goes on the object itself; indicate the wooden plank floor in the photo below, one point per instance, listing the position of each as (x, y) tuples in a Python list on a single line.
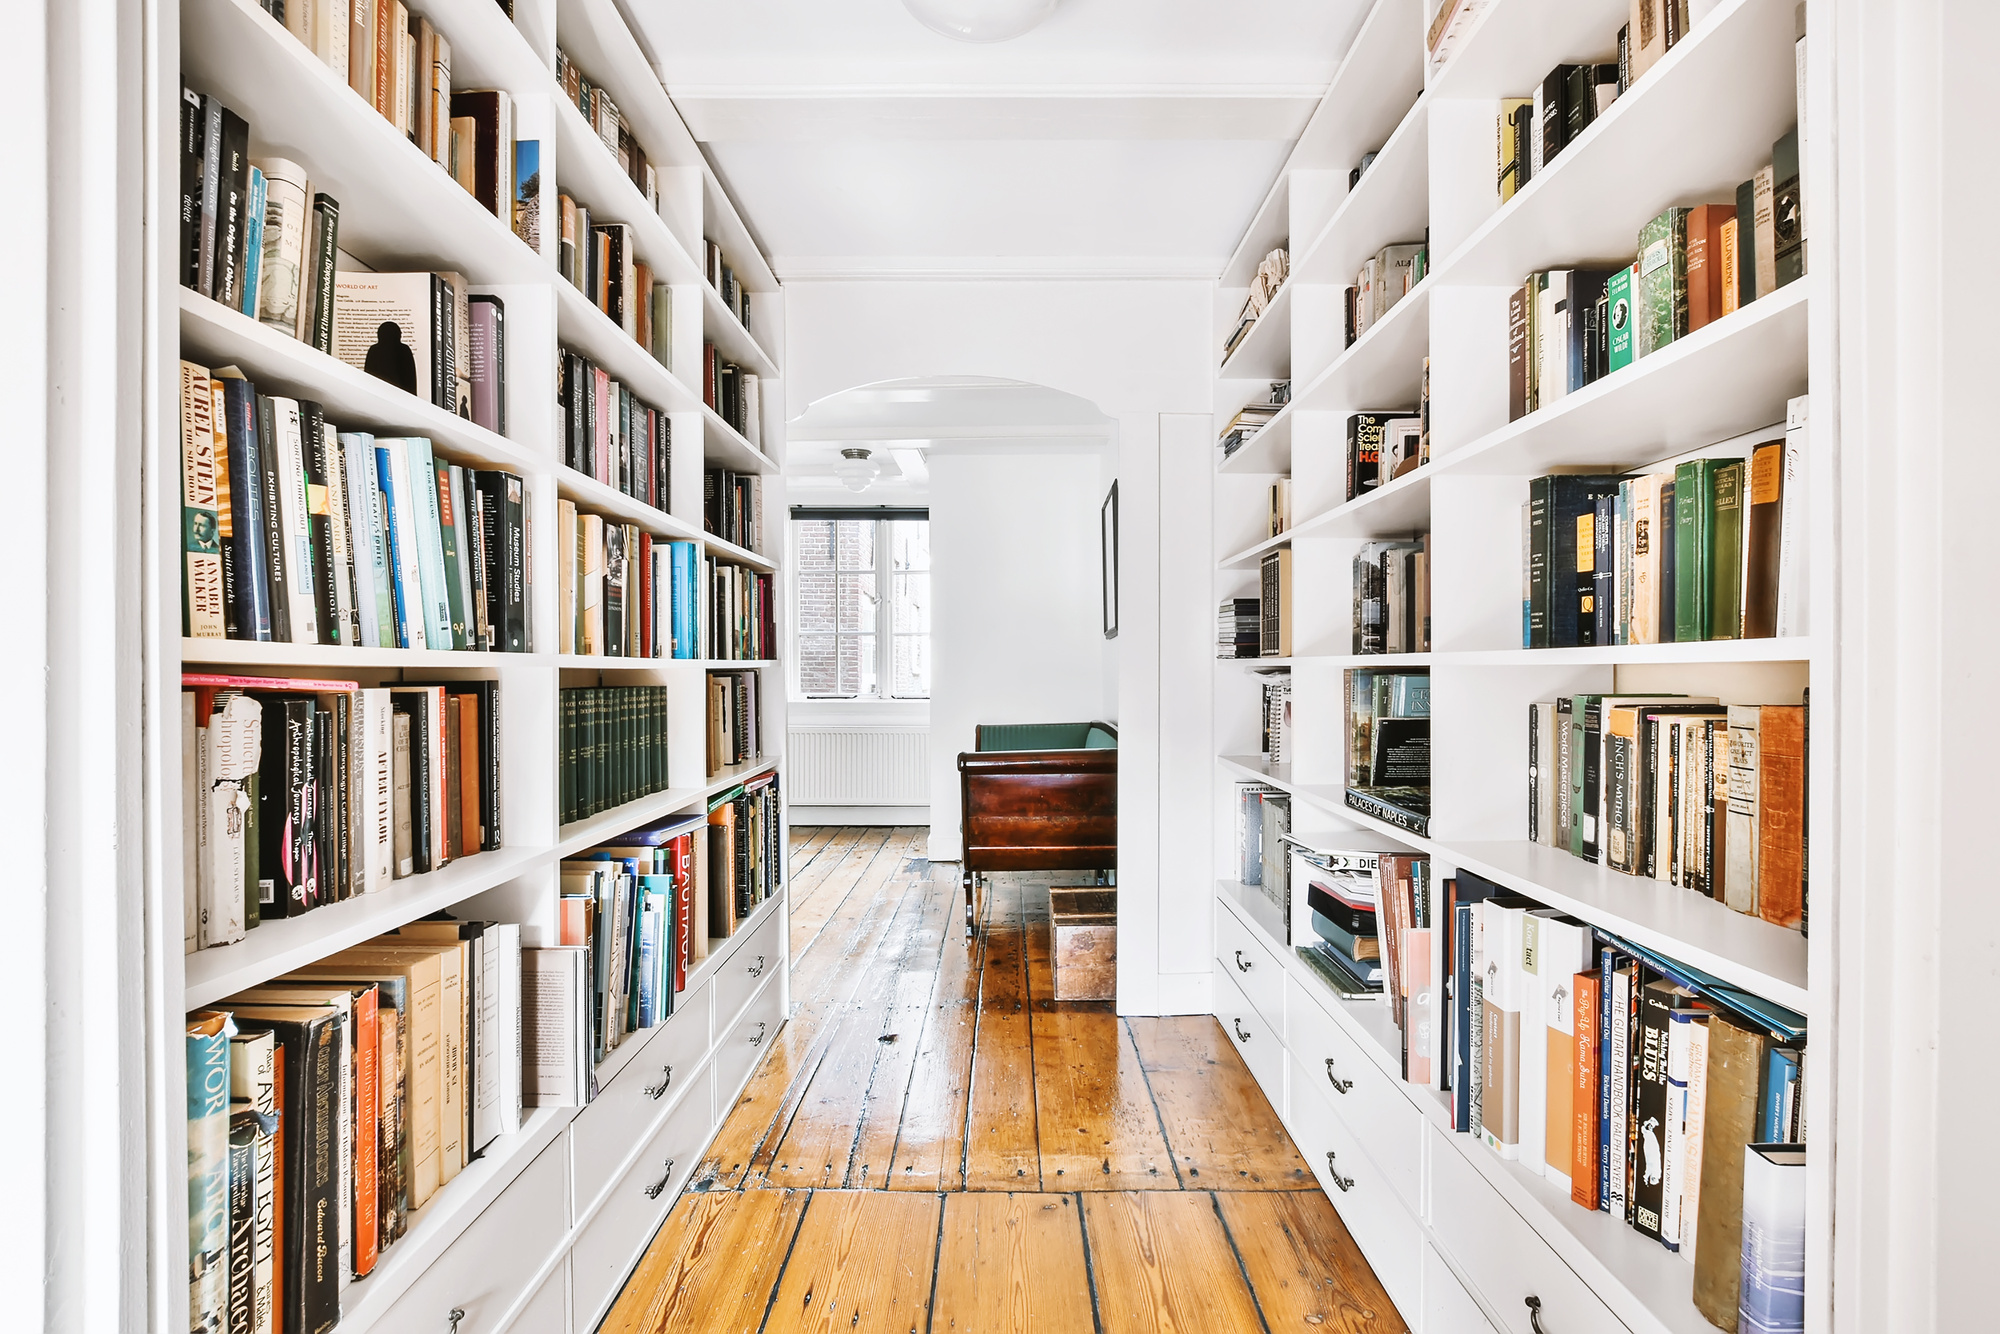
[(934, 1145)]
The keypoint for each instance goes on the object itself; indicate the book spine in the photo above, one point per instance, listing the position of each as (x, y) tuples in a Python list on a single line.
[(1584, 1179), (233, 202), (294, 510), (203, 602), (253, 243), (319, 521), (1650, 1106)]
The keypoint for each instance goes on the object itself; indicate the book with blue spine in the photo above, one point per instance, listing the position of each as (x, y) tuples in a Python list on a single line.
[(398, 522), (374, 598), (208, 1035), (429, 542), (253, 243), (685, 622), (246, 501)]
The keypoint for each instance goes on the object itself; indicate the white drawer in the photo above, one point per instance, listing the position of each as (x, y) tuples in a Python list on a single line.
[(1502, 1256), (485, 1270), (547, 1312), (758, 958), (744, 1042), (623, 1226), (1260, 1042), (1386, 1231), (1247, 962), (1377, 1111), (629, 1105), (1448, 1307)]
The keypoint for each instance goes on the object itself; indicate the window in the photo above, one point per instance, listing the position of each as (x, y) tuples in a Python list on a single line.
[(864, 607)]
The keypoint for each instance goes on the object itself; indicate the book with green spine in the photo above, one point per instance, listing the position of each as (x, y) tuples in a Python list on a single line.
[(448, 528), (1660, 295), (1618, 303), (1694, 548), (1725, 597)]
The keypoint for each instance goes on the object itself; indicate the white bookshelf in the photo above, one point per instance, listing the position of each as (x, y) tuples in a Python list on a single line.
[(1700, 121), (399, 210)]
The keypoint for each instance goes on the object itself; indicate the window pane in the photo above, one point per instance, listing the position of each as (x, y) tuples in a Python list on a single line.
[(910, 544), (913, 666), (857, 544), (856, 603), (815, 575), (864, 665), (913, 603), (819, 671)]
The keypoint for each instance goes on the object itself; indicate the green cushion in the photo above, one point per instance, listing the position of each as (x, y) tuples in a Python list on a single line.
[(1099, 739), (1033, 736)]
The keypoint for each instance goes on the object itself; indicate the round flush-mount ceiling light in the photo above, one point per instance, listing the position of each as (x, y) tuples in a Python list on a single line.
[(981, 20), (856, 469)]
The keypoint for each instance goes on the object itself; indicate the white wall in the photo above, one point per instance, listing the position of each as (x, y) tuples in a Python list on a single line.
[(1016, 629), (1140, 351)]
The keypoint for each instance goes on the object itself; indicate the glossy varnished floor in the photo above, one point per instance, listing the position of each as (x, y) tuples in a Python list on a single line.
[(934, 1144)]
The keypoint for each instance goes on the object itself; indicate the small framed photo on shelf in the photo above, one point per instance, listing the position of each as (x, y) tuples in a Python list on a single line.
[(1107, 523)]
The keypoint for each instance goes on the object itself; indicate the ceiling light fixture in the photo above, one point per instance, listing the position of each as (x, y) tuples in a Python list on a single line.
[(856, 469), (981, 20)]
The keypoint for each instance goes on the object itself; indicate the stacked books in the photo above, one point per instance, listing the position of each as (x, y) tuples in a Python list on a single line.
[(732, 507), (1677, 788), (1342, 901), (1277, 717), (1264, 284), (1254, 418), (299, 793), (1389, 756), (1236, 628), (326, 1106), (742, 613), (1712, 549), (746, 863)]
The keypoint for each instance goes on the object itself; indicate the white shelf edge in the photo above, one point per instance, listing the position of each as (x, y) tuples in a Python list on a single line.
[(589, 832), (1413, 126)]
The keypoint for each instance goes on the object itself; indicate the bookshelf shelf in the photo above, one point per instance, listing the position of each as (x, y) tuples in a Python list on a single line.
[(1518, 41), (1796, 649), (1385, 364), (1699, 122), (1266, 351), (333, 659), (1268, 452), (588, 173), (729, 551), (1391, 204), (595, 497), (583, 328), (1378, 78), (354, 399), (731, 339), (725, 447), (606, 662), (582, 834), (284, 943)]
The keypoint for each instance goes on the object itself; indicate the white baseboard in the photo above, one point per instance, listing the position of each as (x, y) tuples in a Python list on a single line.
[(802, 816)]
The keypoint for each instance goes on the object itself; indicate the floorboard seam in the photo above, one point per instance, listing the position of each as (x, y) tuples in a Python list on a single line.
[(937, 1256), (1034, 1084), (1173, 1155), (778, 1279), (1089, 1265), (1241, 1268)]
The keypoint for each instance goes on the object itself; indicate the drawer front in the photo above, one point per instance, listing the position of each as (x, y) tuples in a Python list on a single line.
[(1448, 1307), (484, 1271), (1249, 964), (628, 1106), (759, 958), (547, 1312), (1258, 1041), (1387, 1233), (1377, 1112), (1496, 1249), (623, 1226), (744, 1043)]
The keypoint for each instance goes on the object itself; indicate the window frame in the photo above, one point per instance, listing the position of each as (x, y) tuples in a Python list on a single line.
[(885, 633)]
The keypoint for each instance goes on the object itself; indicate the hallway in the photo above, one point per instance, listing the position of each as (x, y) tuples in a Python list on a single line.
[(933, 1144)]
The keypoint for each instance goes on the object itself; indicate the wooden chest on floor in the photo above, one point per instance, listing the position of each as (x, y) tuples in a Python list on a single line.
[(1084, 927)]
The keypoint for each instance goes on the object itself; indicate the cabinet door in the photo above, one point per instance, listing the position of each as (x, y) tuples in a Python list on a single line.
[(1375, 1108), (757, 958), (1260, 1042), (632, 1102), (1503, 1257), (744, 1043), (1448, 1307), (1386, 1231), (1248, 962), (547, 1312), (483, 1273), (614, 1238)]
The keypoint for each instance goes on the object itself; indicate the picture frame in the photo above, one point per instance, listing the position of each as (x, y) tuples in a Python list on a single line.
[(1107, 524)]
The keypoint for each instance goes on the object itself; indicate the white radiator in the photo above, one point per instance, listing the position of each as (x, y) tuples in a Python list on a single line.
[(847, 766)]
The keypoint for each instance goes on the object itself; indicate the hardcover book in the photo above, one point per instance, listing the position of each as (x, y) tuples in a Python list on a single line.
[(1661, 286)]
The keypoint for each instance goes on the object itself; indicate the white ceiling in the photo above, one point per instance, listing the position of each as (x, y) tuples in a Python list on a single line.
[(1123, 137)]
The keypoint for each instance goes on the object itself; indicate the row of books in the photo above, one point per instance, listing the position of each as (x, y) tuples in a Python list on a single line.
[(601, 260), (1278, 509), (1713, 549), (735, 732), (1275, 738), (742, 618), (300, 793), (1568, 328), (1254, 418), (732, 507), (1383, 281), (715, 267), (1274, 604), (297, 532), (1238, 628), (1272, 271), (1677, 788), (1533, 130), (1389, 746), (611, 434), (1384, 444), (731, 393), (608, 123), (611, 747), (326, 1106), (1392, 596), (623, 592), (1342, 940)]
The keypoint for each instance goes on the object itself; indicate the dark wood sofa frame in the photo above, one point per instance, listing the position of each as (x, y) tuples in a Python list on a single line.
[(1036, 810)]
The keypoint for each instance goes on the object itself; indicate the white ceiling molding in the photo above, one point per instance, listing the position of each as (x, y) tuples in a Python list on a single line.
[(996, 268), (722, 115)]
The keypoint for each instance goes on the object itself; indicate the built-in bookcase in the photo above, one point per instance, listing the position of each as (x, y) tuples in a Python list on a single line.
[(1703, 119), (495, 1244)]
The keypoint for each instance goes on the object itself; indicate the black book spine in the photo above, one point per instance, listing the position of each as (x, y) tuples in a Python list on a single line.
[(1592, 760), (246, 505), (1555, 115), (566, 404), (1602, 606), (279, 588), (489, 762), (343, 752), (299, 783), (1649, 778), (211, 194), (193, 122), (442, 377), (1539, 621), (233, 202), (242, 1306), (319, 518), (320, 874), (1650, 1112), (517, 567), (326, 238), (1579, 100), (319, 1234)]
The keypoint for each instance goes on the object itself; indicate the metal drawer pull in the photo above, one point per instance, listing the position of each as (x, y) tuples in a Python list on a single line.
[(654, 1091), (454, 1315), (757, 1038), (1345, 1183), (1535, 1315), (1241, 1036), (653, 1191), (1339, 1085), (1241, 966), (757, 968)]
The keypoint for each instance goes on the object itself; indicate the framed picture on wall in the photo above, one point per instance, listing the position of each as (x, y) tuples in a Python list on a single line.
[(1107, 523)]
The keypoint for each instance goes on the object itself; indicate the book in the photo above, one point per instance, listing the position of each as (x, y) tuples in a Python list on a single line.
[(492, 114), (1762, 539), (1707, 272), (556, 1005), (1794, 548), (1660, 287), (1788, 238), (1773, 1276), (1620, 296), (387, 325), (1694, 549), (1586, 1002), (1736, 1062), (1564, 949), (207, 1056)]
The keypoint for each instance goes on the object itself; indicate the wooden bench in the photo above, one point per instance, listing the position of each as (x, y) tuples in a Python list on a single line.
[(1037, 797)]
